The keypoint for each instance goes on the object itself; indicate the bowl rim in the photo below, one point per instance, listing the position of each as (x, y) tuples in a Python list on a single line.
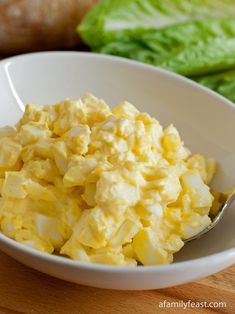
[(104, 267), (121, 60)]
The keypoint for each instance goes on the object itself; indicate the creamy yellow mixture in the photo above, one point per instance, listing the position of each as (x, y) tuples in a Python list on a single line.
[(101, 185)]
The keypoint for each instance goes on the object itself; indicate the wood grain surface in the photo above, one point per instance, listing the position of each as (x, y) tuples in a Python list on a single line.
[(23, 290)]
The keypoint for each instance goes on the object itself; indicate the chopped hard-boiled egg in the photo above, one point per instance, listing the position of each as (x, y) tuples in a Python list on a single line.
[(101, 185)]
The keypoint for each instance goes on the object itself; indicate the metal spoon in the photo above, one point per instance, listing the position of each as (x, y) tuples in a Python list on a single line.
[(216, 219)]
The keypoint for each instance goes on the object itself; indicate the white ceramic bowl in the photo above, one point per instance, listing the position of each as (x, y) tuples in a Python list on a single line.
[(206, 122)]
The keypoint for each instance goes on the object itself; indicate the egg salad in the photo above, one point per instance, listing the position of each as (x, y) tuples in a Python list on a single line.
[(101, 185)]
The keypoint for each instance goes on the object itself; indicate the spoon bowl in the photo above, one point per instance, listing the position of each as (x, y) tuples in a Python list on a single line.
[(215, 220)]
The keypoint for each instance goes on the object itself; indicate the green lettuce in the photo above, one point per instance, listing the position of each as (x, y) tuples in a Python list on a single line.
[(189, 48), (112, 20), (223, 83), (203, 58), (195, 38)]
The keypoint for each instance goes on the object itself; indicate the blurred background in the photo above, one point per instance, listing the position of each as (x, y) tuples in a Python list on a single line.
[(195, 38), (37, 25)]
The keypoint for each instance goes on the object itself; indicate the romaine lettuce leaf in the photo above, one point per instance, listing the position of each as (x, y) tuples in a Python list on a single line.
[(223, 83), (172, 39), (131, 49), (191, 37), (203, 58), (112, 20), (168, 44)]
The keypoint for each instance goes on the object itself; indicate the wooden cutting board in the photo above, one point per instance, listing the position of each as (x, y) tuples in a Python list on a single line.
[(23, 290)]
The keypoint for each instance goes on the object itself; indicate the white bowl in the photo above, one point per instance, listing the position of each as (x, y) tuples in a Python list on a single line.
[(206, 122)]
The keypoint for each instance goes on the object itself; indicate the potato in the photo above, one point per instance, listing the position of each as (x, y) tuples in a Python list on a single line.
[(30, 25)]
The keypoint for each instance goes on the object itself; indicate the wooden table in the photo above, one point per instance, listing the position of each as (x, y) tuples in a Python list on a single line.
[(23, 290)]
